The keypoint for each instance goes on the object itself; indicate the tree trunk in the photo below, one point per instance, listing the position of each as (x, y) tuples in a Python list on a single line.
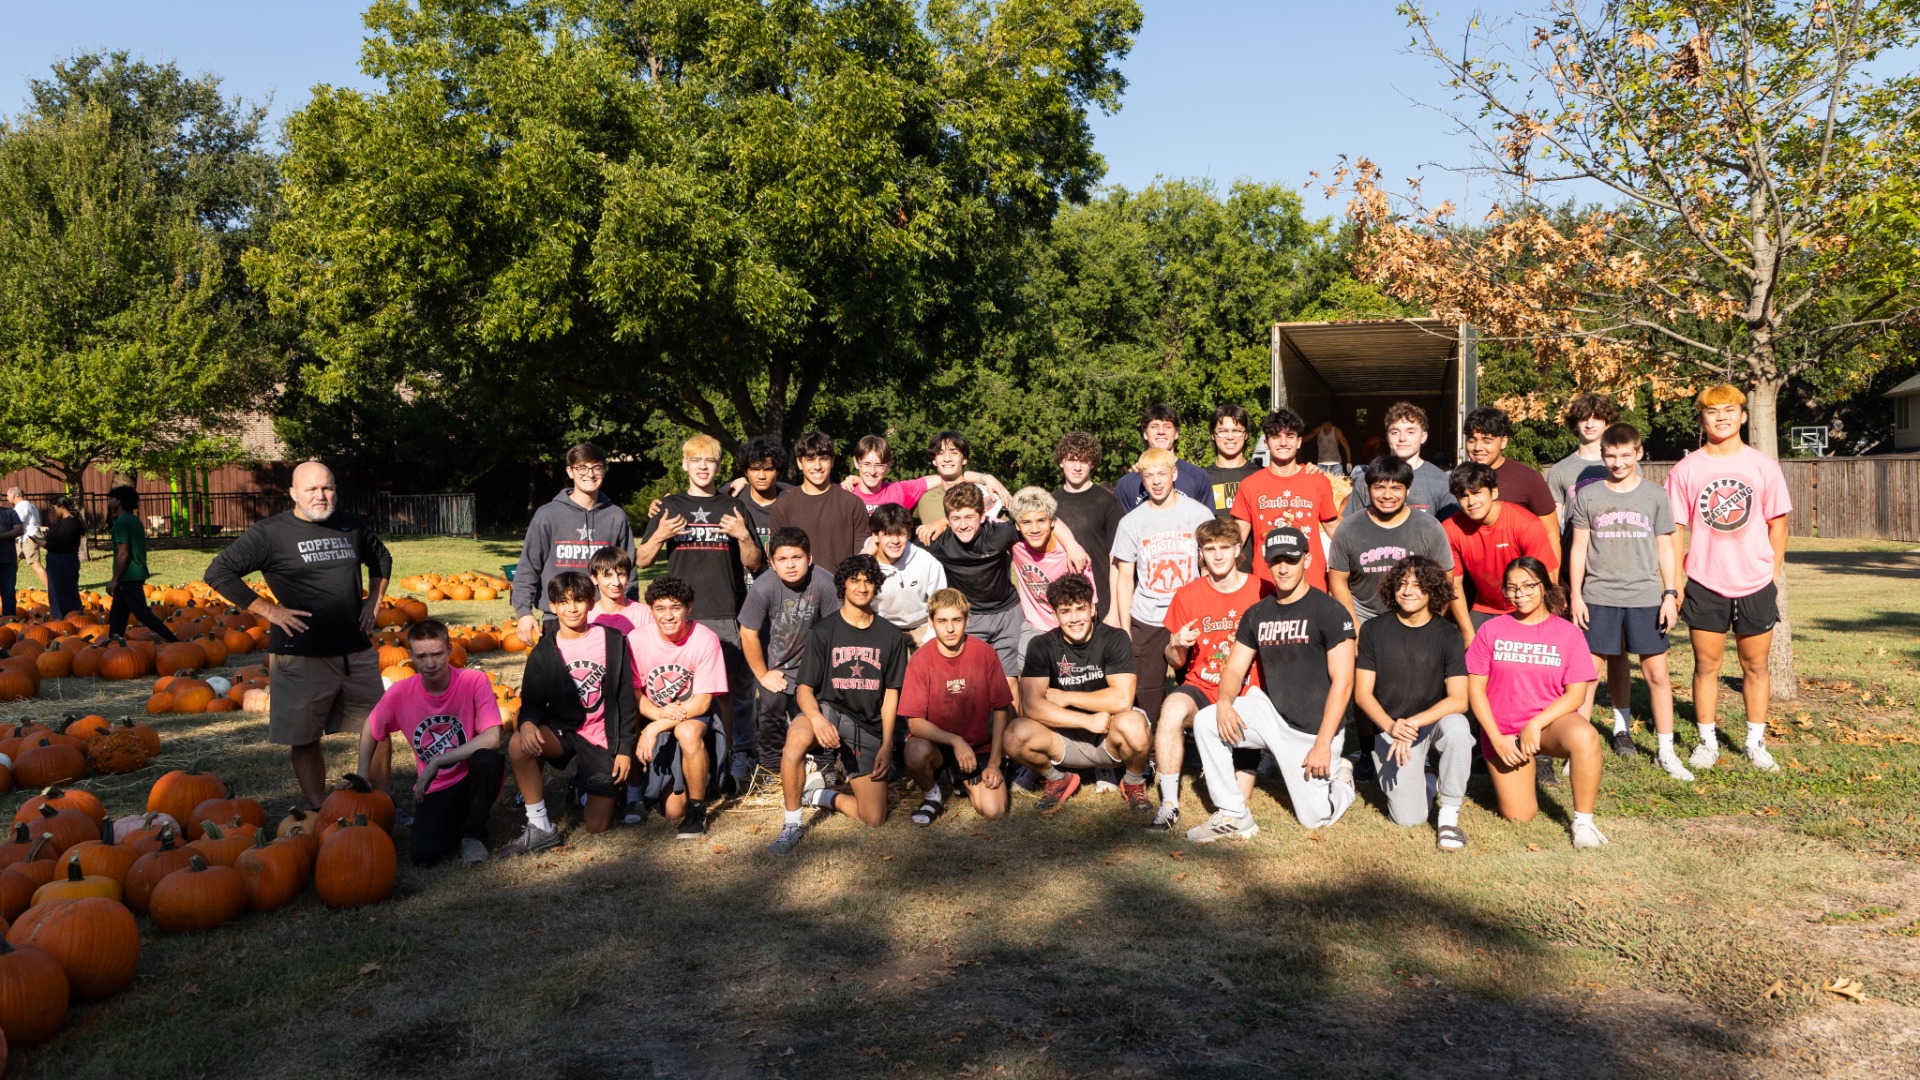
[(1763, 434)]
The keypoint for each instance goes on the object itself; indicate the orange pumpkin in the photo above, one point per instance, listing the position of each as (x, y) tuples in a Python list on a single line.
[(357, 866), (359, 798), (179, 791), (33, 995), (95, 941), (200, 897)]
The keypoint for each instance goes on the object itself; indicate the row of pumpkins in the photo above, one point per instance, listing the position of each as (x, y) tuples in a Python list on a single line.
[(37, 756), (466, 585), (72, 881)]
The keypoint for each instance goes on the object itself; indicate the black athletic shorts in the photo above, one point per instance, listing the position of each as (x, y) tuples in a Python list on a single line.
[(1191, 693), (592, 765), (860, 744), (1754, 613)]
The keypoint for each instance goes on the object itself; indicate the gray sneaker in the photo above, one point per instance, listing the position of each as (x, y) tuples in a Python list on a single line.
[(742, 769), (1705, 756), (472, 851), (1026, 782), (1220, 825), (789, 837), (1165, 818), (531, 840)]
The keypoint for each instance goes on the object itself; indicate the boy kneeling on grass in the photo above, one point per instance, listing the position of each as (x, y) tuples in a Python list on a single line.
[(681, 675), (956, 702), (449, 717), (576, 705), (848, 693)]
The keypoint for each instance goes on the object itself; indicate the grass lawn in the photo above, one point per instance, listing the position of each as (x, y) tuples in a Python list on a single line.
[(1700, 941)]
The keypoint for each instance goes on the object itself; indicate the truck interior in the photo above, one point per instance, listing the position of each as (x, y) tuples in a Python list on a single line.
[(1351, 372)]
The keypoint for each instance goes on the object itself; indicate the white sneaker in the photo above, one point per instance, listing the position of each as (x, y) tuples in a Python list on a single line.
[(1220, 825), (1342, 776), (1705, 755), (1588, 836), (815, 781), (1670, 762), (1105, 780), (1762, 760)]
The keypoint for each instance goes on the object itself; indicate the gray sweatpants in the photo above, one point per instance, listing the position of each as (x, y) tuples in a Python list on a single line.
[(1317, 803), (1406, 785)]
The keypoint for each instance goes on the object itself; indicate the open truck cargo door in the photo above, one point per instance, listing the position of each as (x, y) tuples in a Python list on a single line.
[(1350, 372)]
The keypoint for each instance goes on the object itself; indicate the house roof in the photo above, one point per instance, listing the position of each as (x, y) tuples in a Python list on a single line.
[(1911, 386), (1389, 356)]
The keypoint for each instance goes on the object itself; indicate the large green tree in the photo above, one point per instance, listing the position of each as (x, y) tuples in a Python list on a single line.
[(718, 209), (117, 344)]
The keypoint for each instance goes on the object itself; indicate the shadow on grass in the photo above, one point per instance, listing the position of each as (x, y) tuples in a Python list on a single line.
[(1879, 565)]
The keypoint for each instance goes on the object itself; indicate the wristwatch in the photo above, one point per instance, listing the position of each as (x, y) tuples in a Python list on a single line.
[(1664, 593)]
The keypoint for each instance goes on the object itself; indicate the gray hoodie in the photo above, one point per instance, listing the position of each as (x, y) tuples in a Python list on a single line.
[(564, 537)]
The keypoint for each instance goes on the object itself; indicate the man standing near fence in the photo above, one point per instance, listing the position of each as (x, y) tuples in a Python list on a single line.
[(325, 672), (30, 541)]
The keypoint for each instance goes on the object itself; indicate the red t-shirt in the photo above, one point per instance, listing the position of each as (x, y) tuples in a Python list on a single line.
[(1302, 500), (1482, 552), (957, 694), (1218, 614)]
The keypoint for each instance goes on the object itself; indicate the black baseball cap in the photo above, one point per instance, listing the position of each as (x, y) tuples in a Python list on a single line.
[(1285, 544)]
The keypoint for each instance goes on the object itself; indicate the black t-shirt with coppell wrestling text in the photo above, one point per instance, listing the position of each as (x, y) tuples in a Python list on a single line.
[(311, 566), (703, 555), (852, 669), (1293, 640), (1084, 667)]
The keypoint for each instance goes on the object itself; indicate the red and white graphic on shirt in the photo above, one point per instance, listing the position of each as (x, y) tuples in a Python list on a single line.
[(669, 683), (1168, 560), (588, 677), (1726, 504), (436, 735), (1034, 580)]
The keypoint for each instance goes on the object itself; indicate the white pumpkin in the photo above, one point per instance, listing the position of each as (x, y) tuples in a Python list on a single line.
[(221, 686)]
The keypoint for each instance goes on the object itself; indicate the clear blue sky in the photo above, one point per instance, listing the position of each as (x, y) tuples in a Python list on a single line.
[(1225, 89)]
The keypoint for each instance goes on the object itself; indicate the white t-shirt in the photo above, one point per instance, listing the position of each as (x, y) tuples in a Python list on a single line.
[(29, 517), (1160, 545)]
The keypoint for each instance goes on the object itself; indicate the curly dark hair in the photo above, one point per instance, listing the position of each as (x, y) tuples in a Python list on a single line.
[(1428, 575), (764, 452), (854, 566), (1077, 446), (1555, 597), (1282, 419), (1487, 420), (670, 588), (1068, 590)]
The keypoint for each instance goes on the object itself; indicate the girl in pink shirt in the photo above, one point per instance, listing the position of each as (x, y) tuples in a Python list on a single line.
[(1527, 676)]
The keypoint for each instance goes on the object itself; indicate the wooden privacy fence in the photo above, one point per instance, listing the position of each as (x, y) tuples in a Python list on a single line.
[(1865, 498)]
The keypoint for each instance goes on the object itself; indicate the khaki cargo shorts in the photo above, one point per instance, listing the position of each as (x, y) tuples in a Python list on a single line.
[(321, 695)]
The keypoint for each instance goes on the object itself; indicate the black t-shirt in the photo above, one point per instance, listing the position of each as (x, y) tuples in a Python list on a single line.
[(1094, 516), (311, 566), (1413, 662), (1226, 484), (703, 555), (852, 669), (1083, 668), (760, 518), (63, 536), (1293, 641), (980, 569)]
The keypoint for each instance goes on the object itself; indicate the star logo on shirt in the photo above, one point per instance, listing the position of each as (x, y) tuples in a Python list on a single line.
[(585, 531), (701, 516), (855, 669)]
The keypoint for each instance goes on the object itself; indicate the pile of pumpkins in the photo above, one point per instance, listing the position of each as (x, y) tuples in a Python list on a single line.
[(465, 585), (72, 881), (34, 755), (77, 645), (184, 693)]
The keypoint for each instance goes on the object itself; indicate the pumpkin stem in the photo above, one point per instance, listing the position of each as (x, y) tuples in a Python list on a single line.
[(358, 783), (47, 810), (196, 864), (210, 829), (260, 838), (165, 837), (74, 873), (20, 833), (33, 853)]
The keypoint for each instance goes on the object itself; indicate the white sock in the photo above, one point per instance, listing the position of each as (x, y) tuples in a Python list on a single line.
[(1580, 819), (1619, 720), (1449, 815), (795, 817), (537, 815), (1666, 743), (935, 795), (1170, 789), (1706, 735), (1756, 734)]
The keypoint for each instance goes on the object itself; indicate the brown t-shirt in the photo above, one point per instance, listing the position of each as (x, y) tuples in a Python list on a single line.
[(1521, 483), (835, 522)]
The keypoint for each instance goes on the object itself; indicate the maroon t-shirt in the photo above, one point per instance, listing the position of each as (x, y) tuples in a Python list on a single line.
[(957, 694), (1522, 484)]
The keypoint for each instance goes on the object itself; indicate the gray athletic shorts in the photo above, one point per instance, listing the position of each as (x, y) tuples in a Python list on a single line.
[(1086, 749), (1002, 630)]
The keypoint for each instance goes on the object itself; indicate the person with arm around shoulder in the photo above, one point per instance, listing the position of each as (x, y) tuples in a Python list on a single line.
[(956, 705)]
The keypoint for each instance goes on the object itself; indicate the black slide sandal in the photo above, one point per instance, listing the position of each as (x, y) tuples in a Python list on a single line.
[(929, 812)]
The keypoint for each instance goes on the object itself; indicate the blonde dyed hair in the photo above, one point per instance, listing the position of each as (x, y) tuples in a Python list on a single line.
[(1722, 394), (701, 446), (1156, 458)]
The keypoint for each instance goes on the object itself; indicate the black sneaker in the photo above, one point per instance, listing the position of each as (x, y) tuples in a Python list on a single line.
[(694, 825), (1363, 771), (1623, 744)]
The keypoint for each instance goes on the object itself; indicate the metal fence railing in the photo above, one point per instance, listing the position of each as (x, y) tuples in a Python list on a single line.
[(205, 519)]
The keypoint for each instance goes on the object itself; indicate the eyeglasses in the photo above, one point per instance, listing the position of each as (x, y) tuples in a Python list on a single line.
[(588, 470), (1522, 589)]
